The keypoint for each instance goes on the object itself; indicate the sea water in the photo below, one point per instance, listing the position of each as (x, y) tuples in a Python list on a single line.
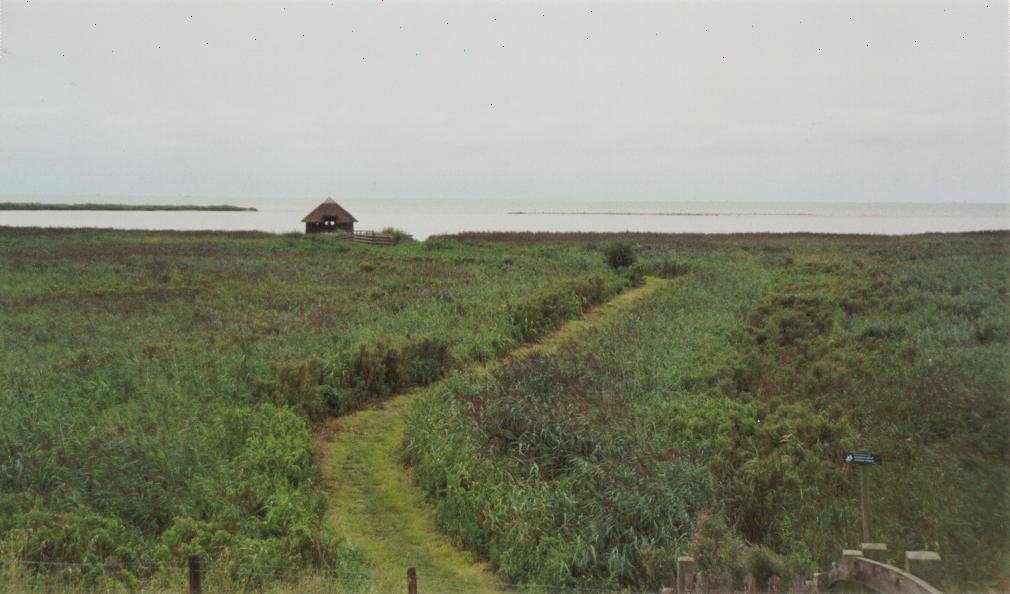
[(423, 218)]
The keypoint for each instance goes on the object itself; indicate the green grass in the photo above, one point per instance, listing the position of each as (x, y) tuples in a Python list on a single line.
[(371, 497), (372, 503), (157, 388), (729, 395), (112, 206)]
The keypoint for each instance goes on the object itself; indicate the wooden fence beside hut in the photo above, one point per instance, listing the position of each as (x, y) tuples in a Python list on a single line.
[(373, 237), (370, 237)]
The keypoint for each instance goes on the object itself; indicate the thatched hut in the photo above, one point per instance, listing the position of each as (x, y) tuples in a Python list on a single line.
[(329, 217)]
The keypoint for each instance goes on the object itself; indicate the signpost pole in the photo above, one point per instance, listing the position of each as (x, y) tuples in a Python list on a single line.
[(861, 459), (862, 505)]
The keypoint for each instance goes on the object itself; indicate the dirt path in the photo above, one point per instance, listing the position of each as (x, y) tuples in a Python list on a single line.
[(371, 497)]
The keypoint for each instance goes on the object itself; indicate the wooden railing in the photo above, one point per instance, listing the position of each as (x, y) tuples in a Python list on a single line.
[(856, 568), (370, 237), (877, 576), (373, 237)]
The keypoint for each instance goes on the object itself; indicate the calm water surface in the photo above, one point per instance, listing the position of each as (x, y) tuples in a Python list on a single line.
[(428, 217)]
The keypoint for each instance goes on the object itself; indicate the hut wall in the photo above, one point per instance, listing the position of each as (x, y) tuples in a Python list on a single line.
[(323, 228)]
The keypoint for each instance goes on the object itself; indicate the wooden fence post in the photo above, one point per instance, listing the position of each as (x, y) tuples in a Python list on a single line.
[(750, 584), (411, 580), (799, 584), (725, 582), (925, 565), (195, 567), (874, 550), (685, 574), (820, 582)]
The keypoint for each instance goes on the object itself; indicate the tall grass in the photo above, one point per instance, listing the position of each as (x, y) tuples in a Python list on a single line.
[(157, 387), (729, 396)]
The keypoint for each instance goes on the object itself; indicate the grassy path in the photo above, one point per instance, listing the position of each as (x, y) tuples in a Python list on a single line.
[(371, 496)]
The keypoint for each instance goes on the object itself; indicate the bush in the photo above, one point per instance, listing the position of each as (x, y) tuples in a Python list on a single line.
[(620, 255), (539, 314), (295, 383), (398, 235), (424, 361), (671, 267), (635, 275), (381, 369), (189, 536), (762, 563), (714, 546), (373, 371), (105, 547), (250, 563)]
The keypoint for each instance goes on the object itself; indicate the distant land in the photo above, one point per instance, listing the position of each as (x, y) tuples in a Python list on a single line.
[(660, 214), (99, 206)]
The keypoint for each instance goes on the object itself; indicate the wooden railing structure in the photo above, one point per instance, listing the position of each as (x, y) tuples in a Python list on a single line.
[(864, 568), (373, 237), (370, 237), (877, 576), (856, 571)]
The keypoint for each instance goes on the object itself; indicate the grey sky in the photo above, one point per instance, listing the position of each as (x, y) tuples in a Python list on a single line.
[(840, 101)]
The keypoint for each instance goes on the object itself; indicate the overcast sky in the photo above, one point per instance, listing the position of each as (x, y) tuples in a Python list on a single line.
[(763, 100)]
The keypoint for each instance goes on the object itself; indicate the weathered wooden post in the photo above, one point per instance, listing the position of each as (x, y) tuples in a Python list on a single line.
[(750, 584), (925, 565), (725, 583), (799, 584), (863, 515), (820, 581), (876, 551), (194, 574), (774, 584), (411, 580), (685, 574)]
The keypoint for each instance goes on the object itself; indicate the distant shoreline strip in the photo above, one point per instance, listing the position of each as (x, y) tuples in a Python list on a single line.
[(661, 214), (11, 206)]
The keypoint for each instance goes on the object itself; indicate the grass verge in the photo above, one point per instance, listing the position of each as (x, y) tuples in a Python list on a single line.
[(371, 496)]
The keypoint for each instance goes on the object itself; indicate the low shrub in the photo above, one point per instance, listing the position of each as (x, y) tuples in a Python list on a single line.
[(619, 255), (714, 545), (295, 383), (635, 275), (373, 370), (672, 267), (532, 318), (424, 361), (398, 235), (103, 549), (250, 562), (762, 563), (535, 316), (381, 369)]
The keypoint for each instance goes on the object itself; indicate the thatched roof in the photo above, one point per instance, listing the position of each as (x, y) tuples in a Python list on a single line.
[(329, 208)]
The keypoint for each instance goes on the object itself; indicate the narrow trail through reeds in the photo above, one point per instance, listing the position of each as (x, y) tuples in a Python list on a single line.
[(371, 497)]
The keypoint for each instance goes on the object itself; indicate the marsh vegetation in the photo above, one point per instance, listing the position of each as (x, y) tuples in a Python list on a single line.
[(158, 388), (710, 419), (159, 391)]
